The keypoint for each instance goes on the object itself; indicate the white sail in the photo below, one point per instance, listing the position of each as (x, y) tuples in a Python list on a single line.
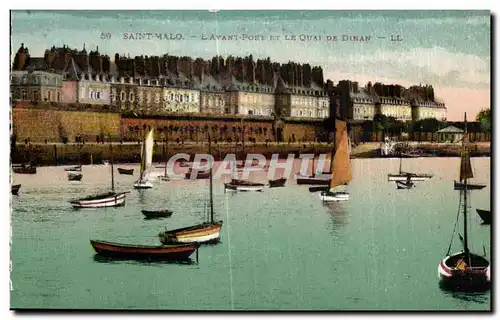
[(149, 150)]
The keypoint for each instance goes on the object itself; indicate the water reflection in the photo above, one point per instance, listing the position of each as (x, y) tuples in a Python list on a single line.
[(113, 260), (467, 293), (338, 213)]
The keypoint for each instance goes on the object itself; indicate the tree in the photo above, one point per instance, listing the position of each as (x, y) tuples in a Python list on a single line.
[(484, 117)]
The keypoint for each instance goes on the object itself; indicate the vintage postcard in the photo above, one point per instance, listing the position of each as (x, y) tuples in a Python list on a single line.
[(223, 160)]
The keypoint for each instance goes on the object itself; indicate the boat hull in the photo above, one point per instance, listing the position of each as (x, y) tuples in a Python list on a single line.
[(14, 189), (127, 251), (76, 168), (327, 196), (323, 179), (404, 184), (157, 214), (413, 177), (197, 175), (203, 233), (75, 176), (242, 187), (113, 200), (129, 172), (477, 277), (143, 185), (318, 189), (485, 215), (277, 183), (461, 186), (23, 170)]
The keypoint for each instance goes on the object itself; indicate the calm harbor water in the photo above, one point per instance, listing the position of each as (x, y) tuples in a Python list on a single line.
[(281, 249)]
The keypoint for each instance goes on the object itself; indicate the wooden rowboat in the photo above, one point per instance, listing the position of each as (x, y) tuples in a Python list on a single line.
[(15, 188), (129, 172), (151, 214), (143, 252), (24, 169), (277, 183), (75, 176), (108, 199)]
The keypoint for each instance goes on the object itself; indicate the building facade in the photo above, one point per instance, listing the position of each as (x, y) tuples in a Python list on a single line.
[(93, 89), (38, 86), (428, 109), (396, 107)]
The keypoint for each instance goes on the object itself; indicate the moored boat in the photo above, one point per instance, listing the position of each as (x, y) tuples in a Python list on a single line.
[(315, 179), (146, 162), (101, 200), (74, 168), (14, 189), (108, 199), (405, 184), (464, 270), (485, 215), (129, 172), (206, 232), (404, 176), (157, 213), (197, 174), (341, 166), (243, 185), (75, 176), (319, 188), (461, 186), (24, 169), (277, 183), (130, 251)]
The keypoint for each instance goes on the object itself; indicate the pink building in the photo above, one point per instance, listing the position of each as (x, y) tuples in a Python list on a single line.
[(69, 91)]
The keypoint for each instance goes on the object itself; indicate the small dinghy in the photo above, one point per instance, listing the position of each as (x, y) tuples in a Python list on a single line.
[(74, 168), (14, 189), (319, 188), (129, 172), (75, 176), (175, 252), (485, 215), (153, 214), (277, 183)]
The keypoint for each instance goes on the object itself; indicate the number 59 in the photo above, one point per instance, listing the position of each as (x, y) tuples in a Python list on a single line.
[(105, 35)]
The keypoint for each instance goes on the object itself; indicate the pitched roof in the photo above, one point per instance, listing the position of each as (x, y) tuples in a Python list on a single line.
[(450, 129)]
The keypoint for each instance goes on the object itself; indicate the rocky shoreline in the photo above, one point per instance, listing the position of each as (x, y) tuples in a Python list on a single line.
[(94, 153)]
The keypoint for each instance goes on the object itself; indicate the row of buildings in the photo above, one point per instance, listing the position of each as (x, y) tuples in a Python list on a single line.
[(234, 85)]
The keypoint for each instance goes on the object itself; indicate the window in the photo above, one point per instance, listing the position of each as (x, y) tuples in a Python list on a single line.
[(58, 97), (98, 95), (36, 95), (122, 96), (112, 95), (186, 97), (250, 111), (171, 96), (131, 96), (48, 95), (180, 97)]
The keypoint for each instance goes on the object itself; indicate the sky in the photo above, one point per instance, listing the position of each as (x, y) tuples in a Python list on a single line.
[(449, 50)]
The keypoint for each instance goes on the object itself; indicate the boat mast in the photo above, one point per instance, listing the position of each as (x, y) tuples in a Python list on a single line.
[(143, 158), (466, 151), (165, 146), (112, 170), (211, 182), (332, 151)]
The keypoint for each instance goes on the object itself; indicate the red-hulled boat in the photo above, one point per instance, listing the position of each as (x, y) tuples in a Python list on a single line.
[(131, 251), (203, 174)]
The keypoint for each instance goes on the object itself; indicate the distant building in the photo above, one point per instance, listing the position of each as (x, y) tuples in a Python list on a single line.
[(450, 134), (37, 86), (428, 109)]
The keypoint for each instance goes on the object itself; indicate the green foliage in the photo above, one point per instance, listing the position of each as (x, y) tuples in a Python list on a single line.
[(427, 125), (484, 117)]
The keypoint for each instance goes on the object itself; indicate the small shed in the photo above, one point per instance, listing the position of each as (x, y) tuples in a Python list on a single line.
[(450, 134)]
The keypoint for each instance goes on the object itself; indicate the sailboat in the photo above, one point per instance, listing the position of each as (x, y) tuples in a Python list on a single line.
[(464, 269), (341, 167), (106, 199), (404, 179), (201, 233), (146, 162), (165, 177)]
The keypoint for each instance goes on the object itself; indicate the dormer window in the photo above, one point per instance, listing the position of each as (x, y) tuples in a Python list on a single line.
[(122, 80)]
